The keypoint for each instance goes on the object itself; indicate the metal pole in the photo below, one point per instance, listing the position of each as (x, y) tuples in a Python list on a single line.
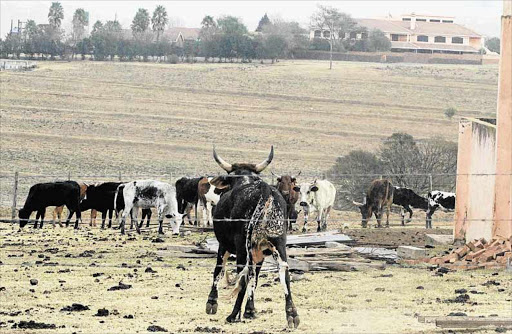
[(15, 194), (119, 175), (430, 181), (69, 175)]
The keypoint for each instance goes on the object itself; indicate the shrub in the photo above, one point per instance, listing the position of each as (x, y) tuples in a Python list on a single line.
[(173, 59), (450, 112)]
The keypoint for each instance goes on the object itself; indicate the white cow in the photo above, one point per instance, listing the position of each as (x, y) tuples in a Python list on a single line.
[(147, 194), (316, 196)]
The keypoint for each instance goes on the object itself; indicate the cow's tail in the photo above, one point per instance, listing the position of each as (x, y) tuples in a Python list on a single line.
[(116, 204), (259, 215)]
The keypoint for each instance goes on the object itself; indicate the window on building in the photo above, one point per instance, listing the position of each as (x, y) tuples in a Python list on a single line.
[(364, 35), (457, 40), (406, 19), (421, 20), (353, 35), (318, 34), (394, 37), (422, 38), (440, 39), (447, 21), (327, 34), (434, 20)]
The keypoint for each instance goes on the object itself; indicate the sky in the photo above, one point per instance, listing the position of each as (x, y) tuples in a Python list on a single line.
[(482, 16)]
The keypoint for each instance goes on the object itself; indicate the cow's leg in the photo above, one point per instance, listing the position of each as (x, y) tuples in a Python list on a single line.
[(103, 218), (279, 255), (209, 212), (160, 220), (306, 213), (133, 215), (78, 216), (243, 269), (70, 214), (388, 209), (94, 214), (42, 218), (326, 215), (38, 216), (378, 216), (319, 219), (218, 272), (57, 212), (409, 209), (250, 310), (110, 213), (430, 212), (127, 210), (148, 217)]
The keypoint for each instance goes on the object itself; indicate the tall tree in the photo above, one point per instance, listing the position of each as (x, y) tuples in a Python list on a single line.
[(209, 37), (97, 26), (80, 21), (332, 20), (493, 44), (159, 20), (56, 15), (140, 22), (231, 25), (263, 22)]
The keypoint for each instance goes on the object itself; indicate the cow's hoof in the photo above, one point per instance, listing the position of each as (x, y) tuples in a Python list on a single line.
[(293, 321), (211, 307), (232, 318), (250, 314)]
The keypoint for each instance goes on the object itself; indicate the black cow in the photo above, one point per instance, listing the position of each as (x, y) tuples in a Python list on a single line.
[(186, 195), (378, 197), (119, 206), (100, 197), (409, 200), (250, 221), (42, 195)]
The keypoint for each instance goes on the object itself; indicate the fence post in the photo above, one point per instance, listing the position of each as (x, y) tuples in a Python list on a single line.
[(119, 175), (69, 175), (430, 181), (15, 194)]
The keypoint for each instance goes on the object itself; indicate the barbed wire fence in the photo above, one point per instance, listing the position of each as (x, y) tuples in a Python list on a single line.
[(14, 188)]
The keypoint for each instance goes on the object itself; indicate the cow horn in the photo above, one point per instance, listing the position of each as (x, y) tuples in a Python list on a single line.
[(223, 164), (262, 165), (298, 174), (276, 175), (357, 203)]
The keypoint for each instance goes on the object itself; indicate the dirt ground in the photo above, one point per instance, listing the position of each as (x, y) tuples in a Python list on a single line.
[(80, 267)]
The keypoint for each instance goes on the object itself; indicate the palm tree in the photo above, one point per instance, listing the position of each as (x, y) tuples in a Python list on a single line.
[(80, 20), (159, 20), (140, 22), (55, 15)]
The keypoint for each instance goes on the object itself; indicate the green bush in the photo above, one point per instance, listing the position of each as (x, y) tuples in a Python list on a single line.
[(173, 59), (450, 112)]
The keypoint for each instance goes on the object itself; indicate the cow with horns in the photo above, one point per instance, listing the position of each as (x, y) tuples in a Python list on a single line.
[(378, 197), (285, 185), (250, 221)]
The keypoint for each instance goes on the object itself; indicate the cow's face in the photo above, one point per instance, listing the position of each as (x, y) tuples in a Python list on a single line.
[(307, 192), (176, 220), (286, 185), (366, 212), (24, 216)]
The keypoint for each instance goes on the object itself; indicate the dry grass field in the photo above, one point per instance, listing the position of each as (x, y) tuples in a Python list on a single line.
[(372, 301), (96, 119)]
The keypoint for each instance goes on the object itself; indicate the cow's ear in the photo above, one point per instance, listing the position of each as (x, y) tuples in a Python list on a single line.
[(294, 179), (220, 182), (296, 188), (314, 188), (278, 179)]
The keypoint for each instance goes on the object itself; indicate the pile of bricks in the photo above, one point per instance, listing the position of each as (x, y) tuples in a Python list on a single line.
[(478, 254)]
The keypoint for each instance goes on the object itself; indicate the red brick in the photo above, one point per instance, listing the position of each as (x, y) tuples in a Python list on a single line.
[(473, 255), (462, 251)]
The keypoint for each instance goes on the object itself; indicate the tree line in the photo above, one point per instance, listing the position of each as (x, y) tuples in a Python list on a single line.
[(224, 39)]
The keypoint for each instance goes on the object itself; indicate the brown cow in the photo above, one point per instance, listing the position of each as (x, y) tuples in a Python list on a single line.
[(57, 212), (379, 195), (285, 185)]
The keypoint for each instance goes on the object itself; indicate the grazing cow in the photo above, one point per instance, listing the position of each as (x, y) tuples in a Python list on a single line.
[(408, 200), (146, 194), (119, 206), (285, 185), (57, 212), (378, 197), (100, 197), (187, 196), (439, 199), (317, 196), (250, 221), (209, 195), (43, 195)]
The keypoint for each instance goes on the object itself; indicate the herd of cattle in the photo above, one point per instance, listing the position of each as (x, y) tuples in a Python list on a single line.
[(251, 218)]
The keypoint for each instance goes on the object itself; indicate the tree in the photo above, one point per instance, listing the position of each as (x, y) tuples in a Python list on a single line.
[(140, 22), (159, 20), (450, 112), (264, 21), (30, 38), (209, 38), (334, 21), (292, 35), (493, 44), (377, 41), (98, 26), (231, 25), (80, 21), (56, 15)]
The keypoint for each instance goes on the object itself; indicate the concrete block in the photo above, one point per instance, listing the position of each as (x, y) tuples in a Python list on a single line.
[(410, 252), (334, 244), (438, 239)]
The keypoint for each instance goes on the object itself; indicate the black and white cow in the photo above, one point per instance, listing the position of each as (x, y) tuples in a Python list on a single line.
[(209, 195), (408, 200), (187, 196), (250, 221), (119, 206), (148, 194), (439, 200), (42, 195)]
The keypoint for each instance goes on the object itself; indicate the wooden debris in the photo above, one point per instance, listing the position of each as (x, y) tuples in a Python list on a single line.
[(472, 322)]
